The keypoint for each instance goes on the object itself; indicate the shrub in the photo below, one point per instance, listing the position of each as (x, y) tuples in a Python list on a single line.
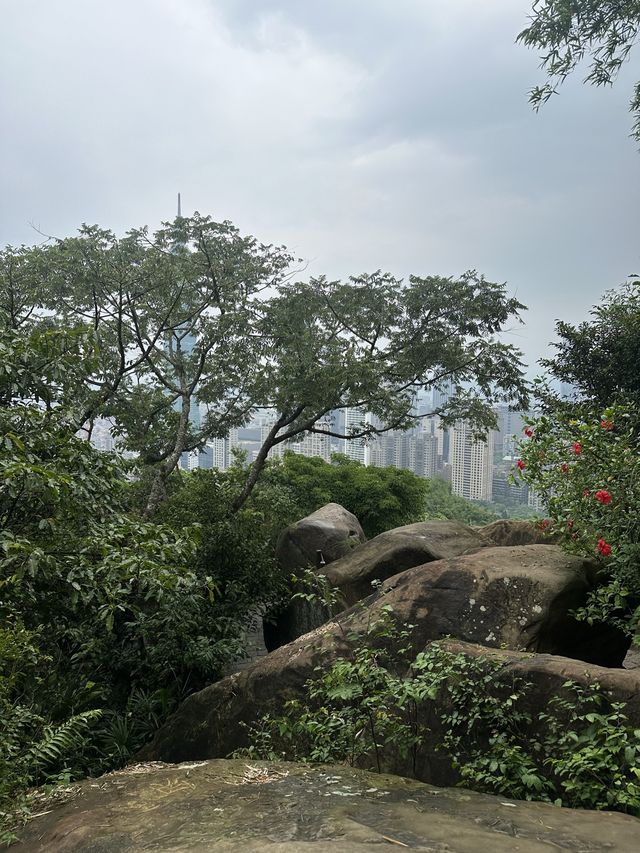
[(370, 709), (587, 471)]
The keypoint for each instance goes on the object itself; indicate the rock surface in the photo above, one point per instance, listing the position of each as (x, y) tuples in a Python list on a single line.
[(285, 808), (399, 549), (546, 675), (511, 531), (514, 596), (331, 530), (376, 560)]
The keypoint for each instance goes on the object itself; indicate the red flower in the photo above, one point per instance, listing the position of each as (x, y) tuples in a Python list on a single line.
[(528, 432), (569, 523), (574, 537), (577, 448), (605, 424), (521, 465), (586, 493), (604, 548), (603, 496), (564, 468), (544, 523)]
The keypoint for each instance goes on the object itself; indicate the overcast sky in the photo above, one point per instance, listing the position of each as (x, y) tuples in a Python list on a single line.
[(363, 134)]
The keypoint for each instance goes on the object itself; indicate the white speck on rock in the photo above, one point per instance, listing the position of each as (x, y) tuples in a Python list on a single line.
[(536, 608)]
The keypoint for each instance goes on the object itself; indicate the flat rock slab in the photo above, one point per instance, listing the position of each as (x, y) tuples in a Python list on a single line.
[(237, 805)]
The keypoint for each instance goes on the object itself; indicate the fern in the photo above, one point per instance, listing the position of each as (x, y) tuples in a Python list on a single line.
[(59, 743)]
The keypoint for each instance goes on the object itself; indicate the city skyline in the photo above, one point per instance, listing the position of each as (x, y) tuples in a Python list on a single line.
[(475, 469)]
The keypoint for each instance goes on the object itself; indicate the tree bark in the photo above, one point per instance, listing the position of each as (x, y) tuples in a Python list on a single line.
[(158, 487), (261, 459)]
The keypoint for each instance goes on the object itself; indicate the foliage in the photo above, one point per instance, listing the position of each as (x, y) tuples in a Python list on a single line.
[(291, 487), (381, 498), (198, 315), (237, 550), (581, 752), (588, 473), (107, 621), (568, 32), (592, 751), (440, 502), (600, 357), (352, 711), (371, 709)]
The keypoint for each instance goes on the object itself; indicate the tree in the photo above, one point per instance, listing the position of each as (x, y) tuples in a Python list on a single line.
[(587, 470), (582, 455), (380, 498), (100, 613), (567, 32), (199, 316), (168, 322), (600, 357), (440, 502)]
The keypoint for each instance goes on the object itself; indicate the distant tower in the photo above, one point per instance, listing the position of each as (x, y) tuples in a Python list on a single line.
[(187, 343), (356, 419)]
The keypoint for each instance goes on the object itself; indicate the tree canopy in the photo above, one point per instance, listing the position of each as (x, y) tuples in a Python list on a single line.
[(381, 498), (570, 32), (600, 356), (196, 327)]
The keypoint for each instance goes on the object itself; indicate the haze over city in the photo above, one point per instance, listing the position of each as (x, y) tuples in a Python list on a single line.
[(362, 135)]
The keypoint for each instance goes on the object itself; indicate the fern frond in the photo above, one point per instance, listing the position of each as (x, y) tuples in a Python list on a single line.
[(60, 742)]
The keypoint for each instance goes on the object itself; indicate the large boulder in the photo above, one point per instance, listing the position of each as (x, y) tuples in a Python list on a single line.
[(286, 808), (331, 530), (546, 676), (511, 531), (320, 538), (399, 549), (376, 560), (518, 597)]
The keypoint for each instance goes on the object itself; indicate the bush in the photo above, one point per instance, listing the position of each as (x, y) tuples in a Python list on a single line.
[(369, 709), (587, 471), (107, 621), (380, 498)]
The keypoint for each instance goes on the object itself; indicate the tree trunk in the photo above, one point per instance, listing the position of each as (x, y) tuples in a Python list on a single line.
[(257, 467), (158, 487)]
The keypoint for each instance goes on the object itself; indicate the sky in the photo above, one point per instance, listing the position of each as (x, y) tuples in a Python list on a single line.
[(362, 134)]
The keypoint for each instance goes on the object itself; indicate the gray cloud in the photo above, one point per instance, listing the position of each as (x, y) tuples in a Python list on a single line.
[(363, 134)]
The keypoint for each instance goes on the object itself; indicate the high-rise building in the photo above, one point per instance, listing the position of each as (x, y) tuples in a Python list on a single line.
[(356, 448), (217, 453), (102, 436), (511, 425), (311, 444), (414, 450), (433, 426), (306, 444), (535, 501), (471, 463), (506, 492), (441, 396)]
